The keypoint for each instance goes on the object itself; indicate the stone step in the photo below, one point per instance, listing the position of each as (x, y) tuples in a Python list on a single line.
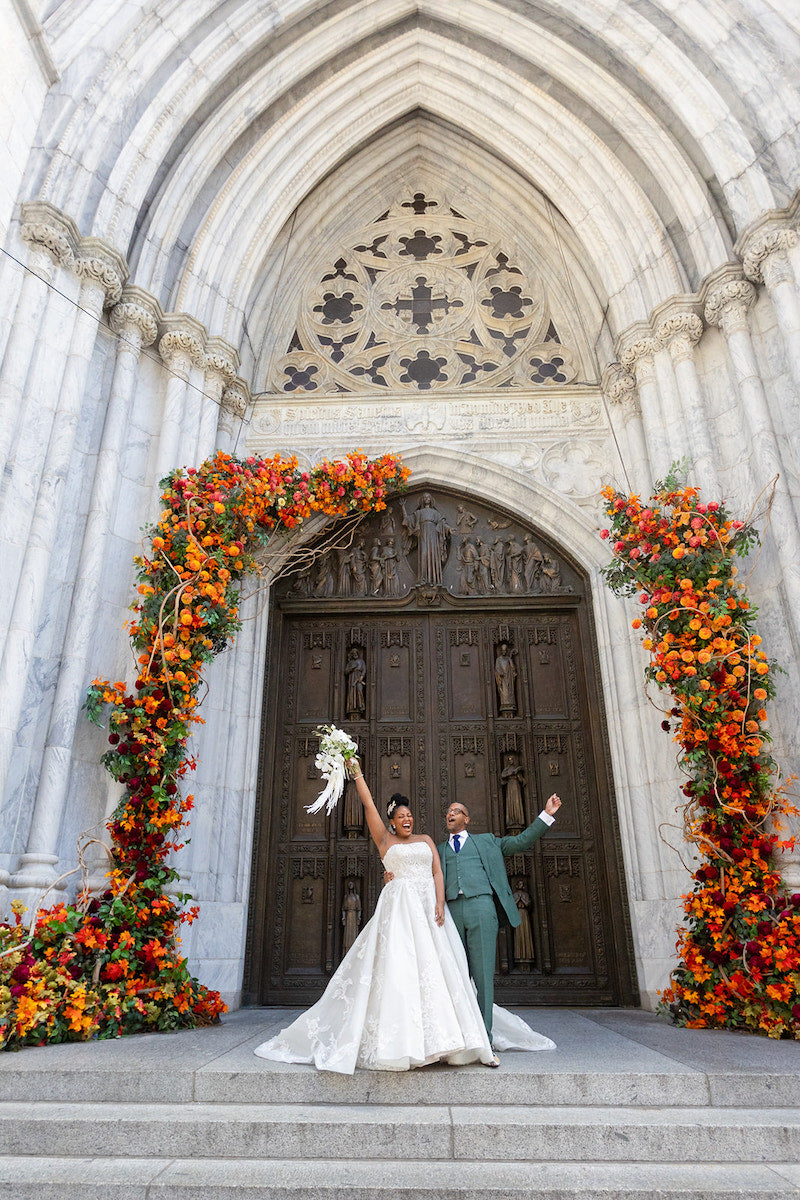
[(254, 1081), (23, 1178), (429, 1133)]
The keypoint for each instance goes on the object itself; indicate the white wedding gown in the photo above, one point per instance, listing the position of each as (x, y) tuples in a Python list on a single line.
[(402, 996)]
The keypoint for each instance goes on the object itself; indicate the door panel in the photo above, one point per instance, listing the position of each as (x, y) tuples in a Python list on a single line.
[(482, 699)]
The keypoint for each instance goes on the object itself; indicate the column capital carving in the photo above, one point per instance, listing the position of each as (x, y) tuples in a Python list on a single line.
[(728, 297), (620, 387), (182, 342), (104, 265), (45, 226), (136, 312), (679, 331), (763, 248), (221, 358), (637, 347), (236, 398)]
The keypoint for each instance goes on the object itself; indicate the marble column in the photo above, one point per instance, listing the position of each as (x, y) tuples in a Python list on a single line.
[(134, 320), (235, 402), (181, 345), (619, 387), (679, 329), (637, 356), (51, 243), (727, 304), (765, 259), (221, 364), (101, 271)]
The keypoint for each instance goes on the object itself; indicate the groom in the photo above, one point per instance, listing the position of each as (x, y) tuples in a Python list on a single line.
[(478, 893)]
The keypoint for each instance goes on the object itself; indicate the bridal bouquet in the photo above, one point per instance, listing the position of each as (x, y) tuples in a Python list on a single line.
[(336, 749)]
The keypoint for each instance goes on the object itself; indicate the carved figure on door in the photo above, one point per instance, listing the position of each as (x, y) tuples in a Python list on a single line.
[(513, 777), (515, 566), (356, 672), (391, 581), (468, 568), (376, 566), (534, 560), (497, 557), (523, 939), (353, 811), (351, 916), (551, 575), (484, 567), (505, 673), (358, 569), (324, 581), (432, 534), (344, 560)]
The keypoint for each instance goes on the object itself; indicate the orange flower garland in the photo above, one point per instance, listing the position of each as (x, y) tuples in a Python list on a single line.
[(112, 964), (739, 955)]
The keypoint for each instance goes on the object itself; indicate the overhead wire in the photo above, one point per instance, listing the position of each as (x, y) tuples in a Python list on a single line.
[(144, 352)]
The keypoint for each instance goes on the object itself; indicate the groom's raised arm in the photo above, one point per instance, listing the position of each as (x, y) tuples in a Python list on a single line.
[(523, 841)]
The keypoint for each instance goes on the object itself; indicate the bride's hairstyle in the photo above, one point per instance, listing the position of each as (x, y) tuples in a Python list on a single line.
[(398, 800)]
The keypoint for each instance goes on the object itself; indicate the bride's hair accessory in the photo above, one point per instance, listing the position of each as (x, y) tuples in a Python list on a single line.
[(398, 800), (336, 750)]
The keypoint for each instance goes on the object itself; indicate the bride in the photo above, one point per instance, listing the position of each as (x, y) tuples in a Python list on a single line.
[(402, 996)]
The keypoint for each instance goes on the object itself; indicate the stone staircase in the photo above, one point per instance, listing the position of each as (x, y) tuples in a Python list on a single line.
[(626, 1107)]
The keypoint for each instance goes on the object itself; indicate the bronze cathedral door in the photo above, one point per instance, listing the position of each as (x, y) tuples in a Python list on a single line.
[(457, 645)]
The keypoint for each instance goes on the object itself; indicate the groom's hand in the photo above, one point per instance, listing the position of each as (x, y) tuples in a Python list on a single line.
[(388, 876), (553, 805)]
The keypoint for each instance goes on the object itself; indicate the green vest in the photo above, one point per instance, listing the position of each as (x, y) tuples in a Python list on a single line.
[(465, 873)]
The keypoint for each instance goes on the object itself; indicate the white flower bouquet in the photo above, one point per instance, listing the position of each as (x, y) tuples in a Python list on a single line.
[(336, 749)]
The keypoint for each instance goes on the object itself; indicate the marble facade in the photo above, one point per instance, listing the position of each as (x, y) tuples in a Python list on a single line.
[(176, 182)]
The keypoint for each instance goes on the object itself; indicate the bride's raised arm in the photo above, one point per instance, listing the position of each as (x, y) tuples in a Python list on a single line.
[(378, 831)]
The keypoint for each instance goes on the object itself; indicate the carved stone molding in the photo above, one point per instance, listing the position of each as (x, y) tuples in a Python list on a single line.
[(236, 398), (763, 253), (135, 318), (103, 265), (728, 302), (222, 359), (680, 332), (46, 227), (620, 387), (638, 348), (182, 342)]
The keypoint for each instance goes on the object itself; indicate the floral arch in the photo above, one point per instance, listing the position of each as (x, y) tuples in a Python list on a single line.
[(111, 963)]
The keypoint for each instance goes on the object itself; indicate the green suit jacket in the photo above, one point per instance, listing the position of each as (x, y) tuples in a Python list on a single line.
[(492, 851)]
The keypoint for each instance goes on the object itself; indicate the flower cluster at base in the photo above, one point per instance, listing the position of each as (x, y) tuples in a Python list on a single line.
[(739, 953), (112, 964)]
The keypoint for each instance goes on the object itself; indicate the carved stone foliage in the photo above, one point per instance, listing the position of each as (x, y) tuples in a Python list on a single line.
[(423, 300), (428, 544)]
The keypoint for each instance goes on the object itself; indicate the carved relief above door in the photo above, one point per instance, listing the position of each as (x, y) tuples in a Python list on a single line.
[(457, 688)]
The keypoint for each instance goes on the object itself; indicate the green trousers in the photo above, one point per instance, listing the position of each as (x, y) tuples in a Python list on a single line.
[(477, 925)]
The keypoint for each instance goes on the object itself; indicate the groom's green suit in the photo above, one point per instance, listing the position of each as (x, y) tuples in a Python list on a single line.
[(479, 897)]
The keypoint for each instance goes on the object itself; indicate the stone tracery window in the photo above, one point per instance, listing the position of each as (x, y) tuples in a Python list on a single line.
[(422, 300)]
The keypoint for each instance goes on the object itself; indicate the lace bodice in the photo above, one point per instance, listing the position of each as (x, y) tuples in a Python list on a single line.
[(410, 863)]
